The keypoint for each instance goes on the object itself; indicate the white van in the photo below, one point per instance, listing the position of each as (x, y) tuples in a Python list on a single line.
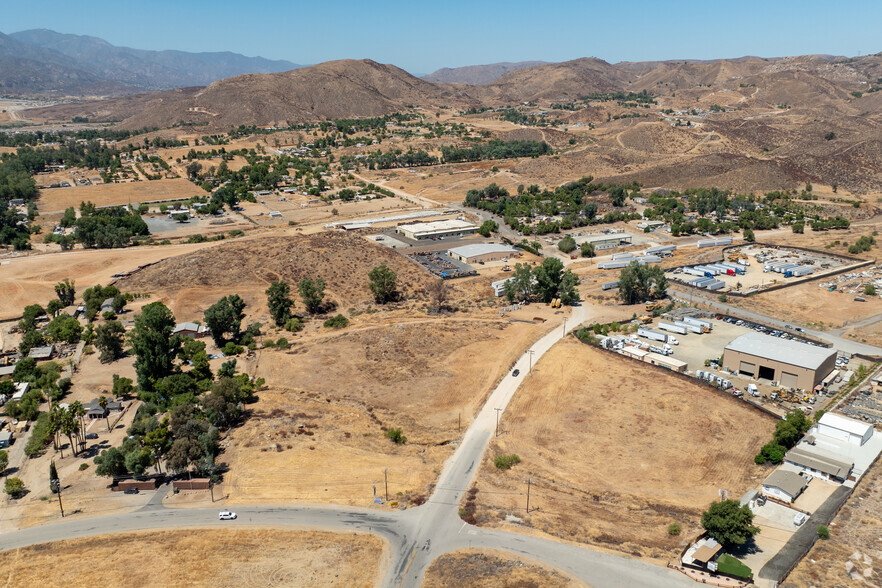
[(226, 515)]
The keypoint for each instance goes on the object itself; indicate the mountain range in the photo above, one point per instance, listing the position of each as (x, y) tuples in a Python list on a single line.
[(44, 62)]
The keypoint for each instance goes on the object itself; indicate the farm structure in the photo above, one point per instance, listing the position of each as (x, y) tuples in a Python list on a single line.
[(790, 363), (482, 252), (607, 241)]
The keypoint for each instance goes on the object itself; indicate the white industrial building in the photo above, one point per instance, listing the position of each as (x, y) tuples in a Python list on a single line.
[(481, 252), (844, 428), (819, 463), (436, 229)]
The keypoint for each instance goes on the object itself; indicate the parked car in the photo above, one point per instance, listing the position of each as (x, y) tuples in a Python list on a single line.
[(799, 518), (516, 373), (226, 515), (130, 491), (91, 435)]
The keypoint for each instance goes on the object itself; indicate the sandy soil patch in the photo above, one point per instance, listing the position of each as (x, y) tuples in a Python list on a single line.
[(492, 569), (616, 451), (57, 199), (318, 433), (205, 557)]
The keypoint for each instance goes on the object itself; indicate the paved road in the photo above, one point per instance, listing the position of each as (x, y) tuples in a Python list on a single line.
[(840, 343), (416, 536)]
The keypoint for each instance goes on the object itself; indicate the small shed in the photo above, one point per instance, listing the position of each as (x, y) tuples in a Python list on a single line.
[(5, 438), (191, 330)]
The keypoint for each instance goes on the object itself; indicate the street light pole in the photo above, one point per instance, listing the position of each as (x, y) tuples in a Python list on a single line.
[(498, 410), (530, 352)]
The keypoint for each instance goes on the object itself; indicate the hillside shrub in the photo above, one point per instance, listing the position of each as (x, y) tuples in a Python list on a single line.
[(396, 436), (336, 322), (505, 462)]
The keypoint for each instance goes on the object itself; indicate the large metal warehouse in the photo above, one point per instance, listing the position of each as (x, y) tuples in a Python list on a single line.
[(478, 252), (792, 364), (435, 229)]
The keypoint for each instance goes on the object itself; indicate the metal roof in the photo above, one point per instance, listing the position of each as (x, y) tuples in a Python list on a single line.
[(481, 249), (437, 226), (845, 424), (790, 482), (783, 350), (815, 460)]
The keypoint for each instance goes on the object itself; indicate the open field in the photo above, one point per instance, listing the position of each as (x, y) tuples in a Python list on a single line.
[(487, 568), (851, 557), (58, 199), (28, 279), (317, 434), (203, 557), (616, 451)]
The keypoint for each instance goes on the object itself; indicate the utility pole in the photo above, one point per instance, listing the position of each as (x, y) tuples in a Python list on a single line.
[(459, 422), (530, 352), (386, 481), (211, 489), (498, 410), (529, 483), (565, 327), (56, 485)]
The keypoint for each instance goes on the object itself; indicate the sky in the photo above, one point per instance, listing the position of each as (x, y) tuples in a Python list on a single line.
[(424, 36)]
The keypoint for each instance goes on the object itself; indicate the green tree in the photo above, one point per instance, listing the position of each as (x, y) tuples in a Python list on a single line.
[(639, 283), (729, 523), (313, 294), (567, 244), (4, 461), (54, 307), (64, 329), (69, 218), (14, 487), (383, 284), (488, 227), (153, 344), (279, 302), (65, 291), (869, 290), (111, 463), (823, 532), (521, 285), (748, 235), (551, 281), (798, 227), (225, 316), (590, 210), (109, 341), (587, 249), (617, 195), (30, 340), (336, 322), (29, 316)]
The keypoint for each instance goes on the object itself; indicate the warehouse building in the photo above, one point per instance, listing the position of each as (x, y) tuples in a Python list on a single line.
[(482, 252), (436, 229), (844, 429), (607, 241), (790, 363)]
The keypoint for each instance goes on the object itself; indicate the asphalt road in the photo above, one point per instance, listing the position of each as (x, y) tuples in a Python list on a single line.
[(416, 536)]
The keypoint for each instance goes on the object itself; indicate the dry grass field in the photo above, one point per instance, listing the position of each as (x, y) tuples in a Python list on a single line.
[(853, 554), (203, 557), (58, 199), (487, 568), (318, 435), (29, 279), (617, 451)]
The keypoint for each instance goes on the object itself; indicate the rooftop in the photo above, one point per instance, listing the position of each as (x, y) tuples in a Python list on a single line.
[(819, 460), (481, 249), (790, 482), (783, 350), (846, 424), (441, 225)]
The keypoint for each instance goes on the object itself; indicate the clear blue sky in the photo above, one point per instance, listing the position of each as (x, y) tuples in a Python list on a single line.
[(423, 36)]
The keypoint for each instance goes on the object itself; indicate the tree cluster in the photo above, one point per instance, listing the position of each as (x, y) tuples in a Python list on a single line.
[(545, 282), (639, 283)]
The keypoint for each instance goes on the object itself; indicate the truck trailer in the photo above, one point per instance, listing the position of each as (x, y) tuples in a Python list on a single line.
[(656, 336), (672, 328), (691, 320), (690, 328)]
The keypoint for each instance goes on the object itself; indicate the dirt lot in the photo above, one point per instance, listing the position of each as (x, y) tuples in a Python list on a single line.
[(57, 199), (851, 557), (488, 568), (616, 451), (29, 279), (317, 434), (204, 557)]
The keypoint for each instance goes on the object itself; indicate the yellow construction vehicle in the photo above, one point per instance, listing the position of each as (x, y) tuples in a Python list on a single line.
[(555, 303), (645, 319), (653, 306)]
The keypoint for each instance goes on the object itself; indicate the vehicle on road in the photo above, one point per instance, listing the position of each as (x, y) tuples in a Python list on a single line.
[(91, 435), (130, 491), (226, 515), (516, 373)]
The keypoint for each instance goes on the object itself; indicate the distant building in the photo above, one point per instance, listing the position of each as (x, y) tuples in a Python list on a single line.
[(436, 229), (482, 252), (191, 330), (784, 485)]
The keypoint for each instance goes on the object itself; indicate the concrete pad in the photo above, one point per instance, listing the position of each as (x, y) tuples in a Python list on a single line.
[(767, 543), (776, 516), (817, 492)]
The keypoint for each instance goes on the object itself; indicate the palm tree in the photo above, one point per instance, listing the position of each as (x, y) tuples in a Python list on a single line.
[(54, 425), (102, 402), (70, 427), (78, 411)]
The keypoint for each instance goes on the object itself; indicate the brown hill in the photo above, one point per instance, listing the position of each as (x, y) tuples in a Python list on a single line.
[(477, 75), (248, 266), (562, 82)]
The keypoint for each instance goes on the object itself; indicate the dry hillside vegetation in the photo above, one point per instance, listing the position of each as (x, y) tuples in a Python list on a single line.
[(248, 266), (58, 199), (318, 435), (486, 568), (853, 554), (617, 451), (204, 557)]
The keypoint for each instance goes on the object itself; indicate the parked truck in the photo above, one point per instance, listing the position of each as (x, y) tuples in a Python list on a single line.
[(706, 325), (690, 327), (661, 350), (656, 336), (672, 328)]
